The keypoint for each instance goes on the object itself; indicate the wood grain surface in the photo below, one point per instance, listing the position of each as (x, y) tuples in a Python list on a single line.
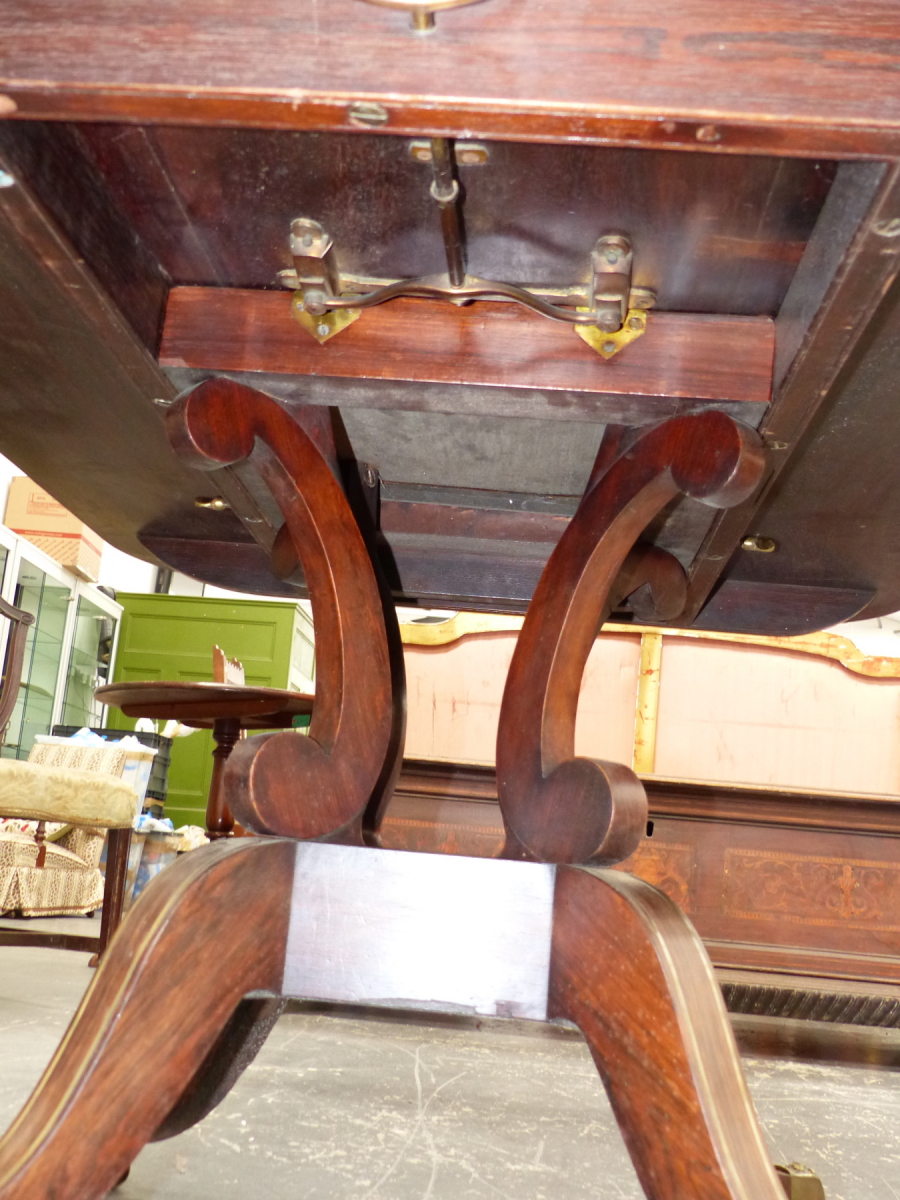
[(681, 356), (629, 970), (835, 386), (320, 785), (692, 73), (208, 930), (557, 807), (200, 704)]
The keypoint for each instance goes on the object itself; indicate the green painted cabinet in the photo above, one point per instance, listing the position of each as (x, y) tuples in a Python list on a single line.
[(172, 637)]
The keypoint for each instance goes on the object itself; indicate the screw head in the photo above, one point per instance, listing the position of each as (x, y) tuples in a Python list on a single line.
[(365, 112), (322, 330), (611, 255), (761, 545), (608, 347), (307, 239), (635, 323)]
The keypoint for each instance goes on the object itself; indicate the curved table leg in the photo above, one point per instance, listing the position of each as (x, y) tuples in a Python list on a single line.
[(232, 1052), (629, 970), (209, 930)]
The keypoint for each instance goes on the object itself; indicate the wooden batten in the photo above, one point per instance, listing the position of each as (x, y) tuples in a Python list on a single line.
[(701, 359)]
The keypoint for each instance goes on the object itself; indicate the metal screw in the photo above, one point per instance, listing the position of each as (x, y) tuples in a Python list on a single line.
[(367, 112), (369, 477), (608, 347), (322, 330), (762, 545), (307, 239), (612, 255), (422, 20), (635, 323), (708, 133)]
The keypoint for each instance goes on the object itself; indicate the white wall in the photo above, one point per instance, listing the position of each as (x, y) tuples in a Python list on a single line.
[(8, 471), (879, 636), (125, 573)]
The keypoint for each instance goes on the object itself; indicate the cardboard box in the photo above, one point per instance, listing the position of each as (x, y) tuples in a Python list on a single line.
[(33, 514)]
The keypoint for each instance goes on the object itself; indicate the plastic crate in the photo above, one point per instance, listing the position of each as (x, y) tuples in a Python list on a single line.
[(156, 786)]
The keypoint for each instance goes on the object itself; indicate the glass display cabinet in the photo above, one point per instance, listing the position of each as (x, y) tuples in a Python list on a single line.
[(69, 649)]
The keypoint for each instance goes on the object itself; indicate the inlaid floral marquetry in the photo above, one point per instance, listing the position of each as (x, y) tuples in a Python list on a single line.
[(812, 890), (668, 866)]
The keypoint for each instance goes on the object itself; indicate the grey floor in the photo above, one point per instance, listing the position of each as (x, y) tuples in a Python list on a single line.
[(366, 1108)]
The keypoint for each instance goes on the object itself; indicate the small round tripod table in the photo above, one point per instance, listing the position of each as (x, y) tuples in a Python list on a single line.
[(225, 708)]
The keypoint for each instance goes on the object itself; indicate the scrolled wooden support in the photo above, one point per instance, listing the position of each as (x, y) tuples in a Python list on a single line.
[(556, 807), (317, 786)]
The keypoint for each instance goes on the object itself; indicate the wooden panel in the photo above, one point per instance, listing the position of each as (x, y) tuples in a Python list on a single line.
[(776, 608), (697, 357), (843, 378), (713, 233), (515, 402), (54, 162), (454, 697), (773, 78), (750, 716), (812, 888), (671, 866), (77, 412)]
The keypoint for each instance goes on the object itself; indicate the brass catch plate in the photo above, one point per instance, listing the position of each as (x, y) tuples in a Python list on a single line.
[(609, 344), (325, 325)]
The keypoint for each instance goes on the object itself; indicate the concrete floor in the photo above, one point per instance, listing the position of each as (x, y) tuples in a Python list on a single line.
[(380, 1108)]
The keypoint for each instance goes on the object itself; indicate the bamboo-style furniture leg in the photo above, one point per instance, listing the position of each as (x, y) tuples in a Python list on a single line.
[(208, 931), (629, 970)]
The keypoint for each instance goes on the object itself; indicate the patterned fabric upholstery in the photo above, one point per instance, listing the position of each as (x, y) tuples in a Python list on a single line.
[(80, 787), (77, 796), (65, 883)]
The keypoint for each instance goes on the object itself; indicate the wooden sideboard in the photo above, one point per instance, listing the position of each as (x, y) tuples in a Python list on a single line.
[(795, 894)]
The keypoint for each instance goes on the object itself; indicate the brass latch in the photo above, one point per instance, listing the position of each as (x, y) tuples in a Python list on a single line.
[(608, 311)]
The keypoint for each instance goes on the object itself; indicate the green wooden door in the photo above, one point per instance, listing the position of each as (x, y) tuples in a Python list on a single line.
[(171, 637)]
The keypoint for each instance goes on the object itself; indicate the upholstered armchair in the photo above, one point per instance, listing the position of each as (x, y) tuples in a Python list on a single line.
[(55, 810)]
